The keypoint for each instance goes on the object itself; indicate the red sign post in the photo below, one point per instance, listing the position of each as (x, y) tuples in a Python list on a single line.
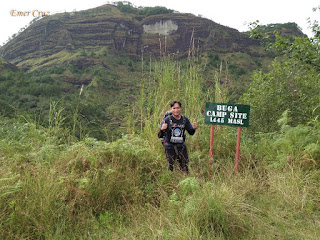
[(236, 165), (211, 148)]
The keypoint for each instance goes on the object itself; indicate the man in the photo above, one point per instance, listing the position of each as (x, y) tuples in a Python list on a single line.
[(173, 129)]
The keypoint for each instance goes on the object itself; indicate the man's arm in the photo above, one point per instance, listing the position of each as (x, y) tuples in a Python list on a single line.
[(191, 128), (161, 133), (163, 128)]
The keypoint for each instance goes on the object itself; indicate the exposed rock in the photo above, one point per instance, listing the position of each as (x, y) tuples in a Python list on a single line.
[(165, 27), (135, 35)]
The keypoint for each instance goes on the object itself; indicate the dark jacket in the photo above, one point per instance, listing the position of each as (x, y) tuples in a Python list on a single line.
[(175, 134)]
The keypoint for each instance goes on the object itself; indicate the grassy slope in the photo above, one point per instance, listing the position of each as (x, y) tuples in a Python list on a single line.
[(56, 188)]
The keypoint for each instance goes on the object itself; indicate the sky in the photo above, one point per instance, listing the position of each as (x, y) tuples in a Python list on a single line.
[(232, 13)]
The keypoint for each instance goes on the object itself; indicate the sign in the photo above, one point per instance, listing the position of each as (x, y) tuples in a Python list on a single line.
[(227, 114)]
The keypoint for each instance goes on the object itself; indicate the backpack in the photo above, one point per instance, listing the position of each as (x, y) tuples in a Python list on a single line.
[(168, 113)]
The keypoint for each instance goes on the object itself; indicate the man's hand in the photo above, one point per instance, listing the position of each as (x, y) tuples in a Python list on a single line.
[(195, 125), (164, 126)]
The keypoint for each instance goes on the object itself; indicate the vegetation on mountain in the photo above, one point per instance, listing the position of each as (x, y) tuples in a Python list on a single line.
[(292, 82), (145, 11)]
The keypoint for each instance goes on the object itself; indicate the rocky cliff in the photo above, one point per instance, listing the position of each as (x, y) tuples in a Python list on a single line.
[(107, 26)]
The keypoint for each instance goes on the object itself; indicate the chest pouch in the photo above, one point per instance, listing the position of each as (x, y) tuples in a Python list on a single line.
[(176, 135)]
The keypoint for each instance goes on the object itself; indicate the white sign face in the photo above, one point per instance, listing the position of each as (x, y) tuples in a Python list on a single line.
[(227, 114)]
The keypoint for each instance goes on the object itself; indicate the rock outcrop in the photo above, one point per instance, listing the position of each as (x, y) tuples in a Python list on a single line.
[(131, 34)]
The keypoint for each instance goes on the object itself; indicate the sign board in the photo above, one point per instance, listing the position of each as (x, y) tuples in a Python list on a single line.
[(227, 114)]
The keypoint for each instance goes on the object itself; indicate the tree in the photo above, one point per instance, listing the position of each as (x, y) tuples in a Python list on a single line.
[(292, 82)]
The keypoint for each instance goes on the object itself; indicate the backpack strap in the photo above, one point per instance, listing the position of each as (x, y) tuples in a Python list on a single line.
[(184, 124), (170, 123)]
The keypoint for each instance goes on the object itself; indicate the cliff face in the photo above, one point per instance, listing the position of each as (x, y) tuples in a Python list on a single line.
[(131, 34)]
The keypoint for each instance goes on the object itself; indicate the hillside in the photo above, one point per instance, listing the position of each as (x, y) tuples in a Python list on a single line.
[(6, 66), (55, 186), (108, 52), (131, 34)]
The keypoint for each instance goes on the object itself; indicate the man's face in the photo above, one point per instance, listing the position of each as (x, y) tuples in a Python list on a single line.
[(176, 109)]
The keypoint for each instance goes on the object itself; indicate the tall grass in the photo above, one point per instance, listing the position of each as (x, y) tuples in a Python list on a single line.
[(170, 80)]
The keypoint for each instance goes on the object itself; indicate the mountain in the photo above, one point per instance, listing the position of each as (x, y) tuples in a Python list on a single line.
[(107, 52), (131, 34)]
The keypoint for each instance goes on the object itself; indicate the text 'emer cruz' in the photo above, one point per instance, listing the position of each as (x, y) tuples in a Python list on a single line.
[(34, 13)]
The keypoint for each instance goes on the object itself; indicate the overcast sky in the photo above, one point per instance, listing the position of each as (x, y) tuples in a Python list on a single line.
[(231, 13)]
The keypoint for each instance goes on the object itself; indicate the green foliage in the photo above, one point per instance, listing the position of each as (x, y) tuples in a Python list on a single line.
[(148, 11), (62, 182), (270, 28), (271, 33), (237, 70), (300, 143), (126, 8), (103, 91), (292, 82), (145, 11), (213, 214), (214, 59), (7, 109)]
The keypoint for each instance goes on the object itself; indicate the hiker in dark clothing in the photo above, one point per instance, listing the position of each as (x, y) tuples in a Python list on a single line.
[(173, 130)]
